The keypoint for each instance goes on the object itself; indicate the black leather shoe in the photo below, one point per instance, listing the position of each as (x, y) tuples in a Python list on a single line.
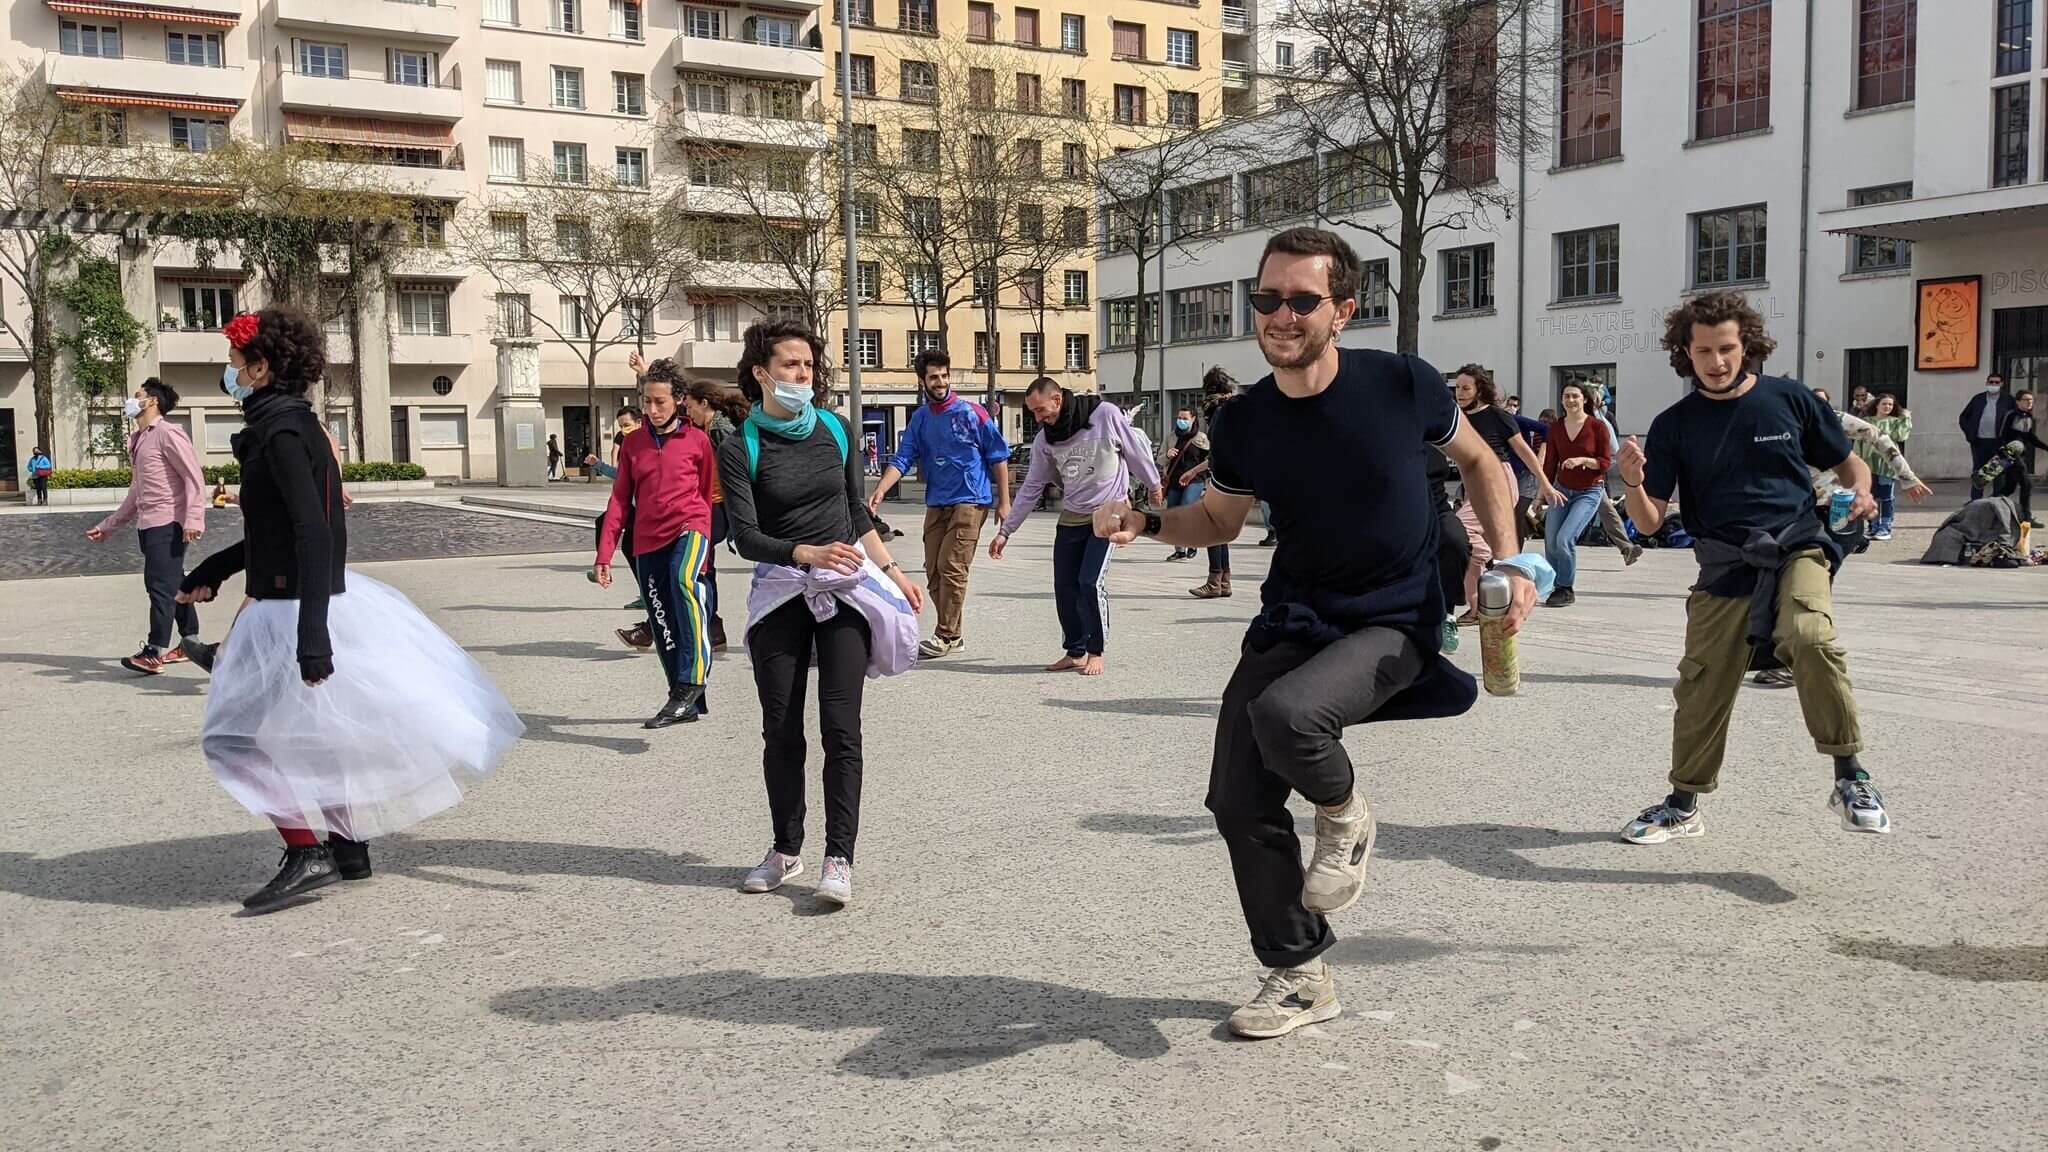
[(680, 709), (1561, 597), (351, 857), (199, 652), (304, 868)]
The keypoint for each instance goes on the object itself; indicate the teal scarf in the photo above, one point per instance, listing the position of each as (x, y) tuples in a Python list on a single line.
[(798, 427)]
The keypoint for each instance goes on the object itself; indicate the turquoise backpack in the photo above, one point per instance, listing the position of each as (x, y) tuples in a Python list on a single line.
[(751, 433)]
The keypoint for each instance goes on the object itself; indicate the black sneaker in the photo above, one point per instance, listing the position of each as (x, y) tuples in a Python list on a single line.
[(351, 857), (680, 709), (1269, 541), (303, 869), (199, 652), (1561, 597)]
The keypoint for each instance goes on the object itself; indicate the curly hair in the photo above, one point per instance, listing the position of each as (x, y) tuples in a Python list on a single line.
[(758, 348), (1898, 409), (663, 368), (1713, 310), (1483, 387), (734, 406), (1217, 382), (291, 344)]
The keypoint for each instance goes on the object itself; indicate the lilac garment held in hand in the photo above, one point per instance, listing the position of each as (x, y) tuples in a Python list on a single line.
[(892, 625)]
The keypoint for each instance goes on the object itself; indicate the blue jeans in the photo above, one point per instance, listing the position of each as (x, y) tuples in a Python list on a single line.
[(1562, 527), (1884, 491), (1219, 555), (1080, 570)]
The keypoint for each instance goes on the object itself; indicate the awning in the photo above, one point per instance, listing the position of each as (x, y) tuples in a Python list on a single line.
[(119, 11), (1982, 213), (145, 100), (365, 132)]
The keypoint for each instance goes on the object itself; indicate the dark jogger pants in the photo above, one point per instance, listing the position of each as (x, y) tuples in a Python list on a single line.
[(781, 644), (1281, 730), (1080, 573), (163, 569), (671, 579)]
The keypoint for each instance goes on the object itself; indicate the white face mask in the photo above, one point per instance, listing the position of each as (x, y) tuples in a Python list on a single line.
[(131, 408), (793, 397)]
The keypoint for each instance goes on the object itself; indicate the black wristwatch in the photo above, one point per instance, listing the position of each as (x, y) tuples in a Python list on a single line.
[(1151, 524)]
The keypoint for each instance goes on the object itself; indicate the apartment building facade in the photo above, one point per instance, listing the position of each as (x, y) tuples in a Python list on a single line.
[(460, 104), (1872, 173)]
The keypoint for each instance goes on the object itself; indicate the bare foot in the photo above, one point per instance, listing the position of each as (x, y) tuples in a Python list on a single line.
[(1064, 664), (1093, 667)]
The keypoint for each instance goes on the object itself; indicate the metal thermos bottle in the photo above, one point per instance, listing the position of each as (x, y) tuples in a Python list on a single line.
[(1500, 666)]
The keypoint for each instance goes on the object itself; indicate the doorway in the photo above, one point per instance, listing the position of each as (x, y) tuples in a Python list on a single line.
[(575, 438), (2019, 347), (10, 473), (401, 436)]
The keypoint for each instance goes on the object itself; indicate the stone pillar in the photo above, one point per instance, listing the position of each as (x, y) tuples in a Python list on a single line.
[(137, 266), (522, 421), (373, 363)]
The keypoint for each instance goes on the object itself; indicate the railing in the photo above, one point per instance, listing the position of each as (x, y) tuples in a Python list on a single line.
[(1235, 19), (1236, 74), (152, 53), (452, 81)]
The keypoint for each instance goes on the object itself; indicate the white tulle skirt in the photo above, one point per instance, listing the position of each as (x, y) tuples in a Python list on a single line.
[(405, 723)]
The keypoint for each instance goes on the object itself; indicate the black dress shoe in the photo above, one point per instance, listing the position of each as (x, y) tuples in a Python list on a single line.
[(680, 709), (199, 652), (1561, 597), (305, 868), (351, 857)]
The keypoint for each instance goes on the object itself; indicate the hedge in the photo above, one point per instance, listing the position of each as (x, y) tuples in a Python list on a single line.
[(357, 473)]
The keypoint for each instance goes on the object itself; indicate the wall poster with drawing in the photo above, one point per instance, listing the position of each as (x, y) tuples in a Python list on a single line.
[(1946, 323)]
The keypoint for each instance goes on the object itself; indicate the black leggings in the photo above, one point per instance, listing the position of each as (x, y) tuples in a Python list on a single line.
[(781, 644)]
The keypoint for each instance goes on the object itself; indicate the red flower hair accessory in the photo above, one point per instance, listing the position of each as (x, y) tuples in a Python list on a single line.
[(240, 330)]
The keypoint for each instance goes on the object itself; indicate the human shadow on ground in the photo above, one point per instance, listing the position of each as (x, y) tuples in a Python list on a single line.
[(1603, 594), (93, 669), (1376, 949), (1201, 706), (926, 1025), (1618, 679), (1981, 963), (986, 669), (550, 730), (565, 568), (593, 651), (1492, 851), (536, 609)]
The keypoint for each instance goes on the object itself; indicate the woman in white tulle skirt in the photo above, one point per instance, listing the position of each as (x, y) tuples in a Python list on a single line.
[(335, 703)]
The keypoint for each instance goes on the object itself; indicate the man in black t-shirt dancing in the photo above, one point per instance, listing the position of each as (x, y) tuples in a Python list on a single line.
[(1737, 449), (1339, 443)]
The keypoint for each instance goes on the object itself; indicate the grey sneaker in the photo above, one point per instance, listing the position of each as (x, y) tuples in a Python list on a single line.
[(1661, 822), (1336, 869), (1631, 554), (1861, 808), (939, 646), (774, 870), (1290, 998), (837, 884)]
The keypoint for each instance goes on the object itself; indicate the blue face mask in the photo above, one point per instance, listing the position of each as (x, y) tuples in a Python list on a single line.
[(1183, 425), (793, 397), (231, 383)]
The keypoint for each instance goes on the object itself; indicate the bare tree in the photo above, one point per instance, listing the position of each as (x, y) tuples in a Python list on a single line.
[(1410, 94), (613, 256)]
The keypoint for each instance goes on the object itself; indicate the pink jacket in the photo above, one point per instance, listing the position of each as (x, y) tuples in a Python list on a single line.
[(166, 486)]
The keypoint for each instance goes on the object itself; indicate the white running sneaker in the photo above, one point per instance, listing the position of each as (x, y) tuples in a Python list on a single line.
[(1290, 998), (1660, 822), (1861, 808), (774, 870), (1336, 870), (837, 883)]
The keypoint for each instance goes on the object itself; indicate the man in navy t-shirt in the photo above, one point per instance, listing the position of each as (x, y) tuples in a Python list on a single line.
[(1736, 452), (1339, 443)]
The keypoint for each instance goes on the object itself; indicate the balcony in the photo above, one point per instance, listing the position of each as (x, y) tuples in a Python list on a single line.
[(421, 20), (756, 131), (404, 179), (370, 93), (140, 74), (741, 275), (191, 346), (416, 348), (712, 354), (1236, 74), (1236, 21), (768, 61), (749, 203)]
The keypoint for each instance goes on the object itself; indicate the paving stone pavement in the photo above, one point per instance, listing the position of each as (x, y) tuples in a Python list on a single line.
[(1045, 939)]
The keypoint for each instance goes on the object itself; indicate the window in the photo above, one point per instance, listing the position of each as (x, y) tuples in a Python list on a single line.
[(1283, 55), (437, 429), (921, 215), (508, 158), (1030, 155), (2010, 118), (429, 229), (864, 143), (1027, 27), (206, 306), (412, 69), (716, 242), (508, 233), (571, 163), (1031, 222), (1879, 253), (1031, 350), (107, 127), (193, 134), (1372, 294), (868, 350), (1073, 162), (501, 12), (921, 341), (921, 284), (982, 219), (1878, 369), (861, 14), (1130, 104), (867, 211), (1200, 208), (1589, 112), (626, 20), (200, 49), (985, 351), (1600, 376), (774, 32), (1074, 226), (572, 239), (1200, 313), (423, 311), (1076, 289), (868, 280), (1280, 191), (1589, 263), (981, 155), (76, 39), (704, 96), (917, 15), (567, 15), (636, 317), (1074, 97), (779, 102), (1728, 246), (1073, 34), (629, 167), (984, 286), (1469, 104), (1183, 110), (515, 314), (863, 74), (704, 23), (981, 21), (710, 170), (501, 81), (1120, 322), (1180, 47), (917, 81), (1031, 287), (575, 317), (921, 147), (1077, 352), (1468, 278), (718, 320), (785, 173), (981, 87), (328, 60), (1357, 178), (1886, 43), (1734, 68), (568, 87), (1126, 40), (629, 94), (2015, 36)]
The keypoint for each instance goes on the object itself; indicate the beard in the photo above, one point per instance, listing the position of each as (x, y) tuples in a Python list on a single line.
[(1313, 345)]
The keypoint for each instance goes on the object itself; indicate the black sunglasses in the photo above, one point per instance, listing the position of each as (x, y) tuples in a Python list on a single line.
[(1301, 303)]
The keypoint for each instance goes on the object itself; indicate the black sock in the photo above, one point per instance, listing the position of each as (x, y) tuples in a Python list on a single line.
[(1682, 801), (1846, 768)]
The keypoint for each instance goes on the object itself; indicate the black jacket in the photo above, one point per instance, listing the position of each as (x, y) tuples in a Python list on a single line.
[(1973, 413), (2019, 426), (294, 535)]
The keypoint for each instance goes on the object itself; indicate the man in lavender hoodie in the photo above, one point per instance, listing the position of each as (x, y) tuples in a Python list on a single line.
[(1094, 450), (167, 503)]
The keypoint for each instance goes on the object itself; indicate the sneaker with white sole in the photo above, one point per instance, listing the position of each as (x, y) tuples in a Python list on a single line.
[(1860, 807), (1336, 870), (774, 870), (837, 883), (1661, 822), (939, 646), (1290, 998)]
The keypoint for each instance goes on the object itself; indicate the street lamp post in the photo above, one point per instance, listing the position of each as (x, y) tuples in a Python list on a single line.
[(856, 418)]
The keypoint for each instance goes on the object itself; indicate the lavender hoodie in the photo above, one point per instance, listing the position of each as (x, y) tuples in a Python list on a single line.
[(1095, 467)]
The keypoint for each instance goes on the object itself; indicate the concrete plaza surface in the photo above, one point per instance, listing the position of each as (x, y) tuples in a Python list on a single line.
[(1045, 939)]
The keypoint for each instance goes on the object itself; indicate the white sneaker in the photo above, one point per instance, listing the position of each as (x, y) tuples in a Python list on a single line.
[(1336, 870), (1661, 822), (1290, 998), (773, 871), (837, 884), (1860, 807)]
